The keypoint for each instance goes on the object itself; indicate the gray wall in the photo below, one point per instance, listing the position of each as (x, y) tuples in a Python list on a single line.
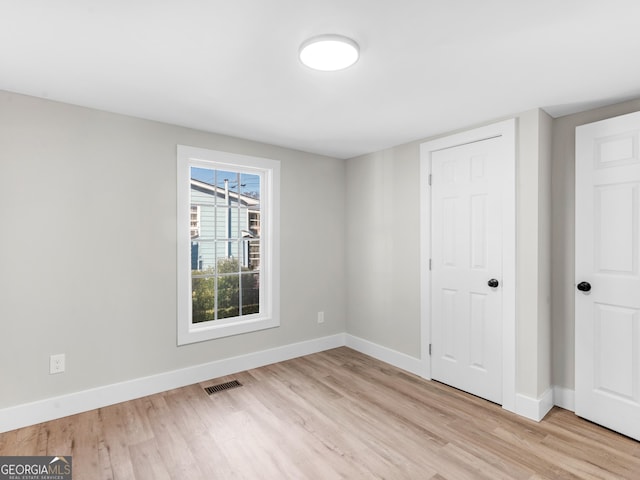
[(563, 235), (544, 249), (383, 245), (88, 248), (383, 250), (533, 343)]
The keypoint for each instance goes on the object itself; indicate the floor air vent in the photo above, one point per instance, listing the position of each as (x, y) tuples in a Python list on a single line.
[(222, 386)]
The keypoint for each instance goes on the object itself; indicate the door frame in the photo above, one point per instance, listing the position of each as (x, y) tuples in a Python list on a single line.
[(506, 130)]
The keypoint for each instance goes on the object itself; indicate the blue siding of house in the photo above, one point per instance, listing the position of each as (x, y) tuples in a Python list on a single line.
[(219, 234)]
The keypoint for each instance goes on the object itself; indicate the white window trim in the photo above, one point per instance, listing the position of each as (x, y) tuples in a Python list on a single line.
[(269, 315)]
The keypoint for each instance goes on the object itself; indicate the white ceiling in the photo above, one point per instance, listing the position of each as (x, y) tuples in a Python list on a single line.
[(231, 67)]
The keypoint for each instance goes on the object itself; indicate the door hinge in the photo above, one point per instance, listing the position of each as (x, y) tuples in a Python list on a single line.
[(429, 179), (429, 264), (429, 349)]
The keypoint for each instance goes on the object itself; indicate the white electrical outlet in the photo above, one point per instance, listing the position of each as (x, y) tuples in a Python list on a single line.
[(56, 363), (320, 317)]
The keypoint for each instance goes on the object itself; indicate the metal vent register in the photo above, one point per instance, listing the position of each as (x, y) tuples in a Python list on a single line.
[(222, 387)]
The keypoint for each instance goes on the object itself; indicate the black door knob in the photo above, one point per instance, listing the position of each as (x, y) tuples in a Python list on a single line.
[(493, 283), (584, 286)]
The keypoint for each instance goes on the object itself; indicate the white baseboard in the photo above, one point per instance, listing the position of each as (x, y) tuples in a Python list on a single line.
[(77, 402), (384, 354), (47, 409), (564, 398), (534, 408)]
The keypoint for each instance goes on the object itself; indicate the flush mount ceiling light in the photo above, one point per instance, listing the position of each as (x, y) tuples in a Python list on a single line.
[(329, 52)]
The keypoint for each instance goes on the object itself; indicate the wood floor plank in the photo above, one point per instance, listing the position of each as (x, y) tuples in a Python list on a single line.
[(332, 415)]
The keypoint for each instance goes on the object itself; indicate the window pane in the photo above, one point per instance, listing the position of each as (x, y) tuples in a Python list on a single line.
[(235, 223), (229, 176), (195, 256), (223, 222), (207, 217), (205, 175), (203, 299), (254, 223), (250, 254), (250, 185), (228, 296), (222, 251), (202, 256), (227, 264), (250, 293)]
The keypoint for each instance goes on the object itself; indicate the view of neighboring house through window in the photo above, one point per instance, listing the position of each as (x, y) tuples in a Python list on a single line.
[(232, 280), (225, 245)]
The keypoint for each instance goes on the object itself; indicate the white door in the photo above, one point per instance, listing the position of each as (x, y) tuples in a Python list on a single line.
[(607, 297), (466, 242)]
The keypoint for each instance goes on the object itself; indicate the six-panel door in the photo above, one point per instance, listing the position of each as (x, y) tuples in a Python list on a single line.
[(466, 327), (607, 302)]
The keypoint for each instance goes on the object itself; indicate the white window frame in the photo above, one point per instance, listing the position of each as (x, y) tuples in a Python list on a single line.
[(269, 315)]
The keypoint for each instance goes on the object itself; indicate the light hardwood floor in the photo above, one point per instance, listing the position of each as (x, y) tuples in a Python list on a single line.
[(335, 414)]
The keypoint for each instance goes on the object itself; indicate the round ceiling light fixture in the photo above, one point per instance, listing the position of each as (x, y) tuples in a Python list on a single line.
[(329, 52)]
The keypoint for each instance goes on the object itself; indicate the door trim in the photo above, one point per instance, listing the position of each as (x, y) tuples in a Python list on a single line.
[(507, 131)]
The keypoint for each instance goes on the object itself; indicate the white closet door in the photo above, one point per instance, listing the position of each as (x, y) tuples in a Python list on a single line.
[(607, 301), (467, 267)]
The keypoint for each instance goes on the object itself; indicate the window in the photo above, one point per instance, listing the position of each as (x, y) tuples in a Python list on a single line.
[(228, 244)]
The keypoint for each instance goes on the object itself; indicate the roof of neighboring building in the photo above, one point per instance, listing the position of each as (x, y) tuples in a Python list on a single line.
[(205, 187)]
